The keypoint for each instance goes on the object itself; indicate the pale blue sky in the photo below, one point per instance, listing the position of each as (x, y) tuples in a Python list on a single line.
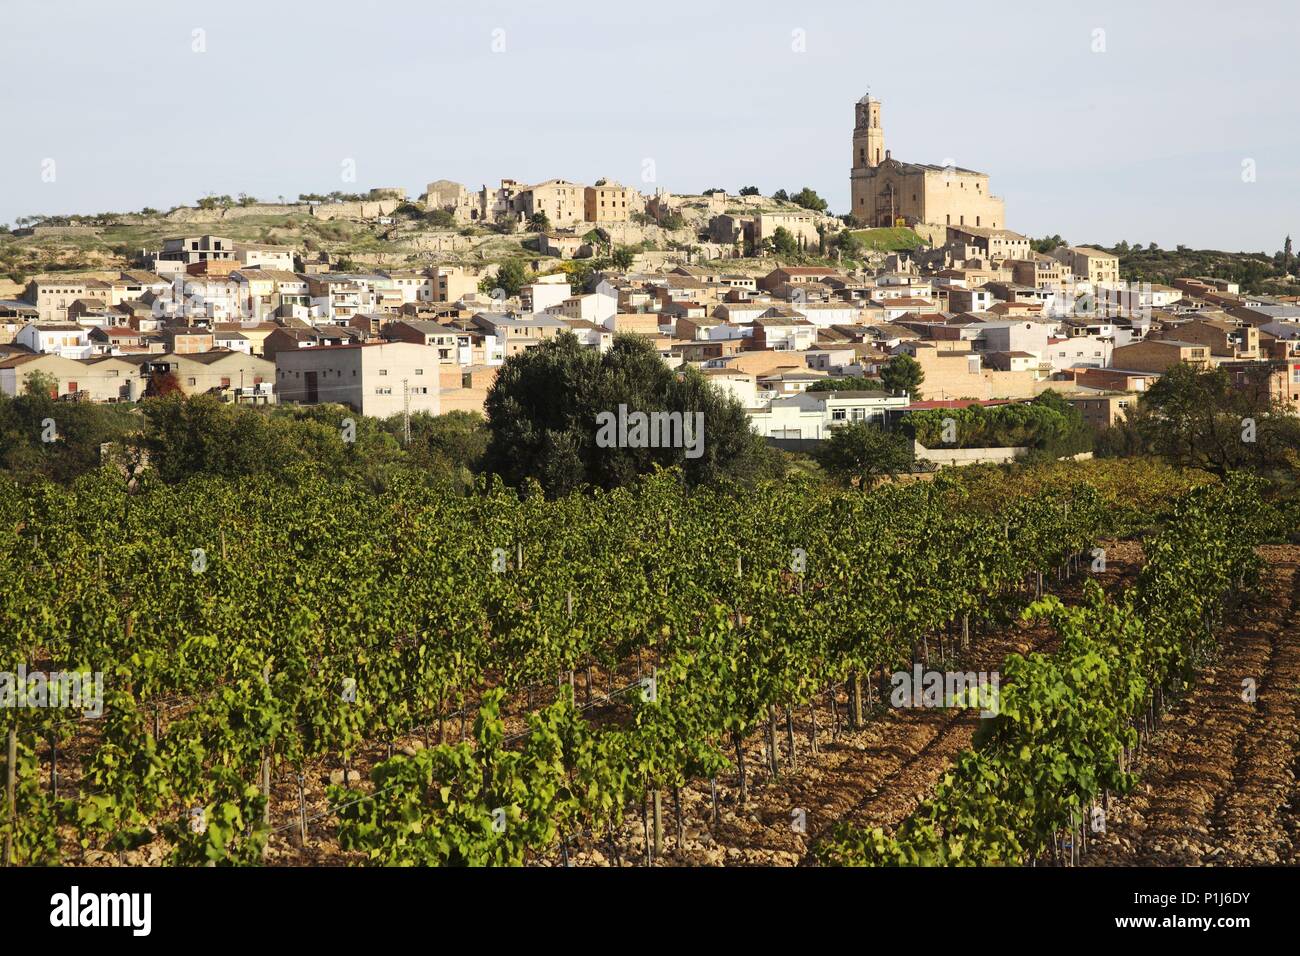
[(1142, 142)]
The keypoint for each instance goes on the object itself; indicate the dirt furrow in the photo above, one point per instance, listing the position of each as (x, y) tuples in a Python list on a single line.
[(1218, 778)]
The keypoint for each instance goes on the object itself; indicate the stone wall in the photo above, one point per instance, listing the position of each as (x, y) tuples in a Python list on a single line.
[(957, 457), (438, 242), (369, 209)]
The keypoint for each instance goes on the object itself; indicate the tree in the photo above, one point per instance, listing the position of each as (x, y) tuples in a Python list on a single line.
[(1076, 436), (809, 199), (539, 222), (749, 191), (201, 435), (450, 445), (1049, 425), (550, 409), (849, 244), (861, 453), (162, 384), (847, 383), (510, 278), (903, 373), (672, 220), (1204, 419), (42, 384), (1286, 254), (784, 243), (622, 258), (781, 195), (1047, 243), (80, 429)]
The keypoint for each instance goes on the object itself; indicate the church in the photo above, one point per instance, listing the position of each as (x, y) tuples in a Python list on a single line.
[(887, 192)]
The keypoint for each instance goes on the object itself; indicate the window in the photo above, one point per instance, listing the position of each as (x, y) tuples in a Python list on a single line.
[(838, 414), (419, 371), (384, 390), (191, 381), (383, 371)]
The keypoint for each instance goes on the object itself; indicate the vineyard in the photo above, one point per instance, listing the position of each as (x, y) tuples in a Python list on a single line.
[(420, 677)]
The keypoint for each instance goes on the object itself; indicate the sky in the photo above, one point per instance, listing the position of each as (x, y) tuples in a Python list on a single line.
[(1143, 120)]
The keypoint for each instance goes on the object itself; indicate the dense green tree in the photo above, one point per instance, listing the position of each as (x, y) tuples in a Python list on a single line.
[(749, 190), (60, 440), (809, 199), (548, 406), (1204, 419), (1049, 425), (861, 453), (672, 220), (510, 278), (621, 258), (450, 445), (847, 383), (784, 243), (903, 373), (849, 244)]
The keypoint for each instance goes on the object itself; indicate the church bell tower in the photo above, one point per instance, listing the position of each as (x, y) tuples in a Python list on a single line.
[(868, 136)]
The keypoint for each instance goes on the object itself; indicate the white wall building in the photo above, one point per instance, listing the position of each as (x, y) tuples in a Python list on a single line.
[(65, 339), (814, 414), (377, 379)]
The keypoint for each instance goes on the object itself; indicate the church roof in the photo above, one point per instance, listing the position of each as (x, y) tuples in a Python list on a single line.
[(931, 167)]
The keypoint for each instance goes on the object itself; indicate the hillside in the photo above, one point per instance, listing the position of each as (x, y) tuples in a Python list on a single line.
[(889, 239), (1259, 273)]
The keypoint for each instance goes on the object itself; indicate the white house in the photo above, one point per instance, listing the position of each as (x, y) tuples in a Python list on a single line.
[(235, 341), (1012, 336), (826, 314), (1079, 351), (740, 384), (814, 414), (378, 379), (540, 296), (65, 339)]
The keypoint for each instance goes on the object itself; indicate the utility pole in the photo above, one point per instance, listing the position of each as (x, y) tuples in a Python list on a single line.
[(406, 413)]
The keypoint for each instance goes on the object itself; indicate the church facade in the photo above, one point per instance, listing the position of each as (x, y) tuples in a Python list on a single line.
[(887, 192)]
